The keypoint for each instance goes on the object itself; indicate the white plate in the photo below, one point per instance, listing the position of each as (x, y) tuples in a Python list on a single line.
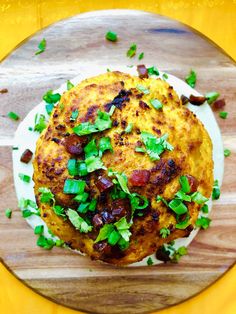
[(27, 139)]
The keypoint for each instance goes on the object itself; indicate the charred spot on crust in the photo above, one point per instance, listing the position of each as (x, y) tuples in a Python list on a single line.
[(119, 100), (143, 105), (156, 130), (56, 140), (90, 114)]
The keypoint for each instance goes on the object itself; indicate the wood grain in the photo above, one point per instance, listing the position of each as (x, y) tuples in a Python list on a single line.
[(69, 278)]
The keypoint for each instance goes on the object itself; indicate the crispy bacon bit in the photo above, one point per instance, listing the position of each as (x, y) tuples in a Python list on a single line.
[(26, 156), (142, 71), (102, 247), (104, 184), (3, 91), (56, 140), (74, 144), (120, 207), (184, 100), (162, 255), (97, 221), (218, 104), (107, 217), (143, 105), (119, 100), (193, 182), (158, 131), (139, 177), (197, 100)]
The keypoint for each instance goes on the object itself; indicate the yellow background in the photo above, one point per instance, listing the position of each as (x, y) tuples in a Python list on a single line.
[(214, 18)]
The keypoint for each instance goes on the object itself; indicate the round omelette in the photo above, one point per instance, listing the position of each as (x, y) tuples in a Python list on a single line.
[(122, 168)]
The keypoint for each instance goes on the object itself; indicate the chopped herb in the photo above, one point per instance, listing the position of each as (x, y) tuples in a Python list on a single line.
[(138, 201), (83, 208), (123, 227), (153, 71), (122, 180), (104, 232), (178, 206), (111, 111), (140, 149), (198, 198), (49, 108), (223, 114), (181, 251), (108, 70), (82, 169), (160, 198), (30, 128), (8, 213), (51, 98), (12, 115), (15, 148), (211, 97), (40, 123), (205, 209), (24, 177), (216, 190), (165, 76), (155, 146), (129, 128), (182, 196), (45, 243), (185, 187), (182, 224), (227, 152), (104, 144), (132, 51), (91, 149), (39, 229), (94, 163), (72, 167), (156, 103), (41, 46), (69, 85), (85, 128), (123, 245), (164, 232), (46, 195), (27, 213), (111, 36), (74, 115), (143, 89), (78, 222), (59, 243), (81, 198), (141, 55), (59, 210), (103, 121), (72, 186), (113, 237), (150, 261), (203, 222), (191, 78)]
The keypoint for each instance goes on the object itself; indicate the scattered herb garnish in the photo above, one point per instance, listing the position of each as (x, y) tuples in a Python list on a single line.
[(211, 97), (15, 148), (141, 55), (129, 128), (156, 103), (216, 190), (203, 222), (72, 186), (46, 195), (104, 144), (132, 51), (78, 222), (165, 76), (223, 114), (164, 232), (51, 98), (41, 46), (227, 152), (59, 210), (191, 78), (45, 243), (49, 108), (40, 123), (94, 163), (28, 208), (150, 261), (111, 36), (205, 209), (24, 177), (69, 85), (8, 213), (153, 71), (39, 229), (143, 89), (12, 115), (74, 115), (181, 251)]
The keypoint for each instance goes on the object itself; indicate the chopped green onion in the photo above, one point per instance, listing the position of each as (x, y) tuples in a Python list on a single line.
[(165, 76), (205, 209), (78, 222), (111, 36), (8, 213), (83, 208), (108, 70), (27, 213), (45, 243), (203, 222), (160, 198), (74, 115), (138, 201), (104, 232), (72, 167), (223, 114), (49, 108), (216, 190), (129, 128), (143, 89), (150, 261), (24, 177), (41, 46), (211, 97), (198, 198), (178, 206), (132, 51), (72, 186), (82, 169), (15, 148), (69, 85), (153, 71), (81, 198), (40, 123), (111, 111), (46, 195), (156, 103), (191, 78), (227, 152), (123, 245), (139, 149), (51, 98), (12, 115), (182, 196), (141, 55), (39, 229), (164, 232), (114, 237), (30, 128), (185, 187), (182, 224)]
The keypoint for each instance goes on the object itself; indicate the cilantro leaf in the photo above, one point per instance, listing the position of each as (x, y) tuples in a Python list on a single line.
[(46, 195), (132, 51), (216, 190), (164, 232), (94, 163), (59, 211), (91, 149), (78, 222), (191, 78), (104, 144), (40, 123), (153, 71), (203, 222)]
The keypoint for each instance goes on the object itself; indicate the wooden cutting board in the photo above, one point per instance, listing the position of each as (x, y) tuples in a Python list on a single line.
[(62, 275)]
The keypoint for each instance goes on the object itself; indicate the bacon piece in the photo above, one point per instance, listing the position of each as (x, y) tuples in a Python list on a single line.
[(184, 99), (4, 91), (120, 207), (193, 182), (97, 221), (197, 100), (139, 177), (74, 144), (26, 156), (142, 71), (218, 104), (102, 247), (104, 184)]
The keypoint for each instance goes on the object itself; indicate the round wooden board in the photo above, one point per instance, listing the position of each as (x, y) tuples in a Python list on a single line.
[(62, 275)]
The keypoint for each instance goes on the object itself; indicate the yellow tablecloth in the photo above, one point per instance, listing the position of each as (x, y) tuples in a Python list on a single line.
[(214, 18)]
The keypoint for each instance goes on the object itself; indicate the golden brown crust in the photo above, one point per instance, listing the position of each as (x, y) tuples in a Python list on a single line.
[(192, 155)]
